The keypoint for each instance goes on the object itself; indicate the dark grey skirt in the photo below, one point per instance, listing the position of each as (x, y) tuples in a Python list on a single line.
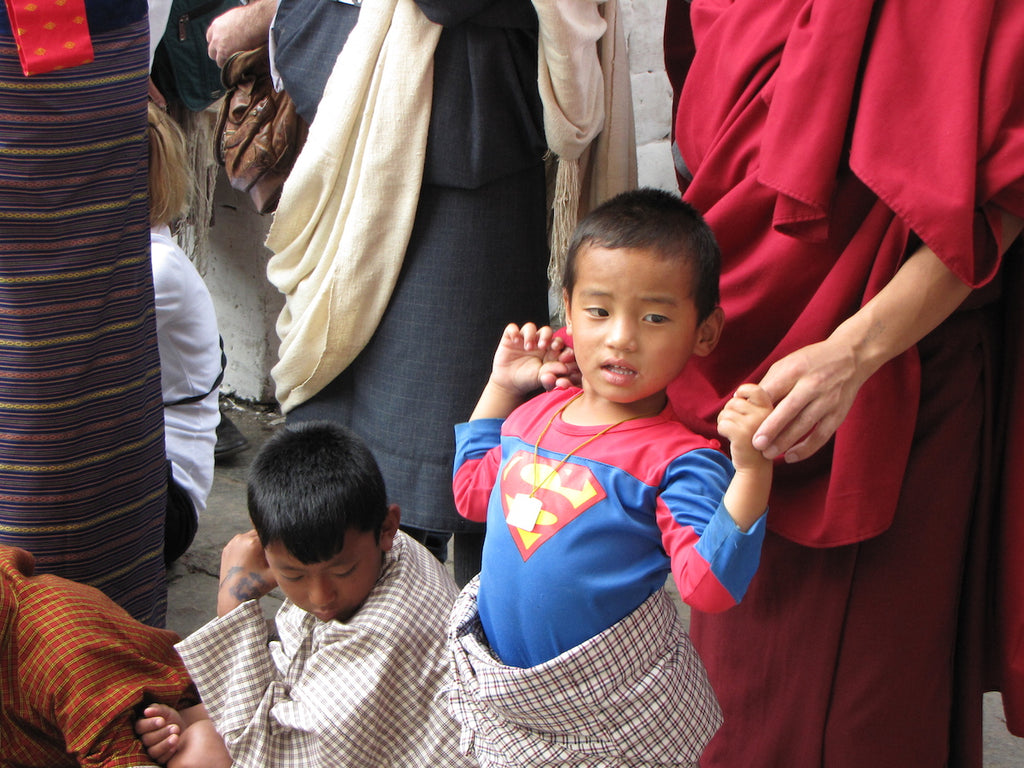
[(477, 260)]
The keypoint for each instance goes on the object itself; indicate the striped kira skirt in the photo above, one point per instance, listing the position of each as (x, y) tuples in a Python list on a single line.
[(82, 468)]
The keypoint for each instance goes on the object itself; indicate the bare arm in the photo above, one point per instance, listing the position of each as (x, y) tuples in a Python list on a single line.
[(814, 387), (746, 498), (244, 573)]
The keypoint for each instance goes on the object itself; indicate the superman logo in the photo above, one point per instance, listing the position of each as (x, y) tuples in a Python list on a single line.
[(564, 494)]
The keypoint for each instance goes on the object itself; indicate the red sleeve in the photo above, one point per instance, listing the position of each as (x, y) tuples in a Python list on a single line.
[(472, 486), (477, 457), (679, 47), (698, 586)]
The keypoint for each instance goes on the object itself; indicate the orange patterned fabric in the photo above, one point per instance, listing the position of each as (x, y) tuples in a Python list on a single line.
[(73, 668), (51, 34)]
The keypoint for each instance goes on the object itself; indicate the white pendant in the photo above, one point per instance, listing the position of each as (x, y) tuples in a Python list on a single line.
[(523, 512)]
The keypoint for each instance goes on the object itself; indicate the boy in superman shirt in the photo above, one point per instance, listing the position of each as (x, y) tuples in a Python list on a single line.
[(565, 648)]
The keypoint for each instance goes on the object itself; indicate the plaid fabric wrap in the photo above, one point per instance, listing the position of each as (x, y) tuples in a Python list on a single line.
[(82, 462), (635, 695), (362, 693), (73, 667)]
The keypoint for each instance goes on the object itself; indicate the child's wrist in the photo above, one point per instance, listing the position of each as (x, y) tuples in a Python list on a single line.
[(755, 462), (759, 470), (243, 584), (505, 393), (746, 499)]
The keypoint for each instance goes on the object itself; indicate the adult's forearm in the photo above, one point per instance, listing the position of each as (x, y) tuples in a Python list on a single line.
[(922, 294), (814, 387)]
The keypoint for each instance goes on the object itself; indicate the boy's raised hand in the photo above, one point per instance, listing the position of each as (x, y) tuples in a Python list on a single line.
[(747, 495), (527, 359), (739, 420), (244, 572)]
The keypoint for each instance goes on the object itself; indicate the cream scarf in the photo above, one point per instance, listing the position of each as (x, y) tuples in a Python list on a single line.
[(343, 224), (347, 208)]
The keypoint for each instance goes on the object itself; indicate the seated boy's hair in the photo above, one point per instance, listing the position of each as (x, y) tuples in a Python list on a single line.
[(655, 220), (170, 180), (310, 483)]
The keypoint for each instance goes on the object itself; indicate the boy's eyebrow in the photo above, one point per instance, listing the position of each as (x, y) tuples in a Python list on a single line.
[(667, 299)]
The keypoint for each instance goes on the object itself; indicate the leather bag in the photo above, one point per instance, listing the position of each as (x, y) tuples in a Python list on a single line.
[(259, 132)]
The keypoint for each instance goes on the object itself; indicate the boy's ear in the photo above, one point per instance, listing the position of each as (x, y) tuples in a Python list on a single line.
[(565, 303), (709, 332), (389, 528)]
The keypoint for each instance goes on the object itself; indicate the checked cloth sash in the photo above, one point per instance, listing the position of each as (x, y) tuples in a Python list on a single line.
[(634, 695)]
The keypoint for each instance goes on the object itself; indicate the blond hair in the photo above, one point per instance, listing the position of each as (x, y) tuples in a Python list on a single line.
[(169, 178)]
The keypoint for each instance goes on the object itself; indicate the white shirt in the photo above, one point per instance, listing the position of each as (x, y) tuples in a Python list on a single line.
[(159, 12), (190, 362)]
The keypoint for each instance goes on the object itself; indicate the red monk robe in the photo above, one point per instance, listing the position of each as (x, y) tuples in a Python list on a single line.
[(826, 140)]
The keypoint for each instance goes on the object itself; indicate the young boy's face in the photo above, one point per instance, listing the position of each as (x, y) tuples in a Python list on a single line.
[(634, 326), (334, 588)]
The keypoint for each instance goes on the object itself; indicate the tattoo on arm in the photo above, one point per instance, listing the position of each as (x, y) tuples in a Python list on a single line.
[(248, 586)]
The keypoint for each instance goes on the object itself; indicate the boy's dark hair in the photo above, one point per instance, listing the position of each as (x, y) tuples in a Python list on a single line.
[(655, 220), (310, 483)]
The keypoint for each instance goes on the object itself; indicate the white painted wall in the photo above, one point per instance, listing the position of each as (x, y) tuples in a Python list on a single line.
[(644, 22), (247, 305)]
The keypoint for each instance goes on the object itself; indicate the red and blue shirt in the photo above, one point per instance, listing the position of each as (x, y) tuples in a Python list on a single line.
[(614, 519)]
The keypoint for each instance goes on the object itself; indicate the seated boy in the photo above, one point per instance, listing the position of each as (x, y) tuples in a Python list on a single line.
[(74, 670), (566, 649), (355, 676)]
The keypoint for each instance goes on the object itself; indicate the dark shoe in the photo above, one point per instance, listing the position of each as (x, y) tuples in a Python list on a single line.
[(229, 439)]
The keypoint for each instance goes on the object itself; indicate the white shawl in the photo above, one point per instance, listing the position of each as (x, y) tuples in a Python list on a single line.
[(346, 213), (347, 209)]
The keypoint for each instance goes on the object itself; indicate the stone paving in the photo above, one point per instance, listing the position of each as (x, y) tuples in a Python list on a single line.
[(193, 579)]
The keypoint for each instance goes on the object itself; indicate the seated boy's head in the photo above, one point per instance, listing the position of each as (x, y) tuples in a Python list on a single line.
[(641, 293), (318, 504)]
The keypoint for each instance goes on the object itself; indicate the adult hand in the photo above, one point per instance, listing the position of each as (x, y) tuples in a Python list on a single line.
[(813, 390), (240, 29)]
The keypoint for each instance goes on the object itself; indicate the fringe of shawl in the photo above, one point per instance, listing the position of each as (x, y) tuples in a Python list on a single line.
[(588, 117)]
